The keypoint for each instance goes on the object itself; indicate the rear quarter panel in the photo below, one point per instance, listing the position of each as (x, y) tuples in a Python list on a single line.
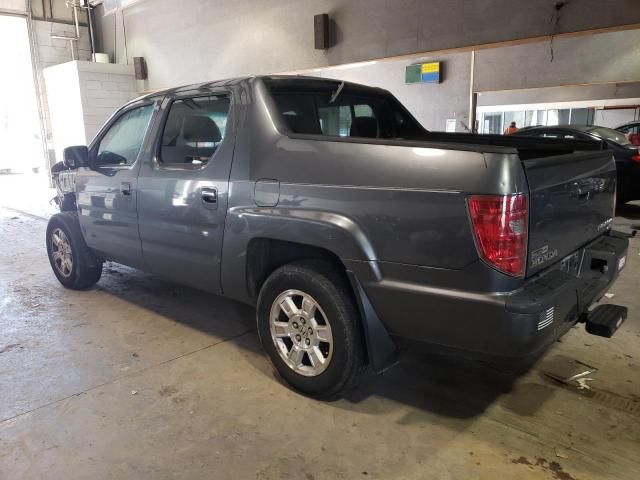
[(383, 203)]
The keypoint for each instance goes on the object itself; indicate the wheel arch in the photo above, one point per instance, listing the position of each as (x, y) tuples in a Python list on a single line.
[(258, 240), (265, 255), (249, 231), (87, 267)]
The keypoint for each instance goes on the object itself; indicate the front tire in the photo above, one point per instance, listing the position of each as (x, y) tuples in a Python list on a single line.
[(310, 328), (73, 263)]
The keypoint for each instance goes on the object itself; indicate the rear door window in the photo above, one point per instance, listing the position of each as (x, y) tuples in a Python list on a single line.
[(194, 129)]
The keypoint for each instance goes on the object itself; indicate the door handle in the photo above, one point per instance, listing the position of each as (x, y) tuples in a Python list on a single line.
[(209, 195), (125, 188)]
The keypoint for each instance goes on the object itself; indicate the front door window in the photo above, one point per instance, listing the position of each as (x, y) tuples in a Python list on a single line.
[(122, 142)]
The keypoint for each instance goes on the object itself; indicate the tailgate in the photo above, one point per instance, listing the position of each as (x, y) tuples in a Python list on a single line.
[(572, 199)]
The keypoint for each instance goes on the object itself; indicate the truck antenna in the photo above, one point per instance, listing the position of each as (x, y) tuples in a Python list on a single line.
[(337, 92)]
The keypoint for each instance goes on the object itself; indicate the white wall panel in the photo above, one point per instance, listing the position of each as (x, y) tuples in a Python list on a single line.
[(13, 5)]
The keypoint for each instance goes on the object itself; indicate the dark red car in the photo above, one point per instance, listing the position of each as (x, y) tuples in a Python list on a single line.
[(632, 131)]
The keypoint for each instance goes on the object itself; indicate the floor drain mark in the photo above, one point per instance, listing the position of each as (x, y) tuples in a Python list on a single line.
[(616, 401), (607, 399)]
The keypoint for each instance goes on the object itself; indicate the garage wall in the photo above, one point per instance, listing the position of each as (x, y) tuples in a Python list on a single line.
[(195, 40), (13, 5), (615, 118), (518, 74), (52, 51), (598, 58), (609, 91), (82, 96), (55, 10), (431, 103)]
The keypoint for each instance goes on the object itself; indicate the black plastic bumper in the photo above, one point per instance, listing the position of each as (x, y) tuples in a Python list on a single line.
[(513, 324)]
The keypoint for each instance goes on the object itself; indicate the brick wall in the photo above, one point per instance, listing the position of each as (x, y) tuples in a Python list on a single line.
[(82, 96), (50, 51), (104, 88)]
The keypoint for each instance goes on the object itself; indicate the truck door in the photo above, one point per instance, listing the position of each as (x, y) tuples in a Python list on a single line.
[(183, 190), (107, 193)]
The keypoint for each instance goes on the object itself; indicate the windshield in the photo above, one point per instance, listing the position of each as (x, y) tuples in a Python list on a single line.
[(609, 134)]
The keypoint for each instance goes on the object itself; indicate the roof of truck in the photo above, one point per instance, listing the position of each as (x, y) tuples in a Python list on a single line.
[(235, 81), (193, 86)]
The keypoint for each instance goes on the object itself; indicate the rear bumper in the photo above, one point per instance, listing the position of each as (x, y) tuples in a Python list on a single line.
[(513, 324)]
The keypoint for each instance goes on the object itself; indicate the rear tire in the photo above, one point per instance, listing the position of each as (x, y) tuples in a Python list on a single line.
[(73, 263), (310, 327)]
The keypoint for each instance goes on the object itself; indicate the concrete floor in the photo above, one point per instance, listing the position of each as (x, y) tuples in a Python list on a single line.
[(138, 378)]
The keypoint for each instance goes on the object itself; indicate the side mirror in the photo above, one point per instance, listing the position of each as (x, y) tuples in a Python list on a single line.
[(75, 157)]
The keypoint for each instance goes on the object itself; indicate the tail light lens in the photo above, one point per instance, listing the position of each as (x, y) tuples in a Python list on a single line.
[(500, 224), (635, 158)]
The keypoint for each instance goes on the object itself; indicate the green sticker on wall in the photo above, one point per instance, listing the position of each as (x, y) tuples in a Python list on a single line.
[(413, 74)]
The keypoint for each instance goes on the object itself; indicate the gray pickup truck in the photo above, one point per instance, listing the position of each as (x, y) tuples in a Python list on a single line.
[(347, 224)]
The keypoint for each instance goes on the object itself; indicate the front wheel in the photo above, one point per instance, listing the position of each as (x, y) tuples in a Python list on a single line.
[(310, 327), (73, 263)]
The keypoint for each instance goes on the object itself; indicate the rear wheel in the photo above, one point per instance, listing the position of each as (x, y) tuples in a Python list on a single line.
[(73, 263), (310, 327)]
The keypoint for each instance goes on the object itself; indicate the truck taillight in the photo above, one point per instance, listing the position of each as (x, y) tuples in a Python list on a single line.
[(636, 158), (500, 224)]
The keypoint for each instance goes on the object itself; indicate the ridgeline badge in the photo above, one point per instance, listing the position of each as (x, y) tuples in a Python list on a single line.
[(542, 255)]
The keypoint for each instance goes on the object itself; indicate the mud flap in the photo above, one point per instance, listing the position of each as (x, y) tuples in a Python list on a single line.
[(381, 349)]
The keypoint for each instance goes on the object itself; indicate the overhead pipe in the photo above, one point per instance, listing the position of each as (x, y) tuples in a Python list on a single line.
[(473, 96), (92, 40), (71, 4)]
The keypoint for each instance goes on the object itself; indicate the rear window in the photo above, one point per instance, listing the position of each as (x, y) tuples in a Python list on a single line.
[(334, 109), (609, 134)]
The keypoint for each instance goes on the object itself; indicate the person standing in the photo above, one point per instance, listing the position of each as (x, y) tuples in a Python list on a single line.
[(511, 129)]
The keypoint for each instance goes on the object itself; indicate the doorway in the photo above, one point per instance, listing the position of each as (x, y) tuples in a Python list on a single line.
[(22, 152)]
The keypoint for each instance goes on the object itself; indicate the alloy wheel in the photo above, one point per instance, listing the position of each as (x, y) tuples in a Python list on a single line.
[(301, 333), (61, 253)]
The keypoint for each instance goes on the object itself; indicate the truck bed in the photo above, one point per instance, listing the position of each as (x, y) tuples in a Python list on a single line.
[(527, 147)]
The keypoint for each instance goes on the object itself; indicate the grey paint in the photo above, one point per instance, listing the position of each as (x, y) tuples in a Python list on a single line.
[(394, 212), (196, 40), (108, 217), (562, 210), (627, 169), (180, 232)]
